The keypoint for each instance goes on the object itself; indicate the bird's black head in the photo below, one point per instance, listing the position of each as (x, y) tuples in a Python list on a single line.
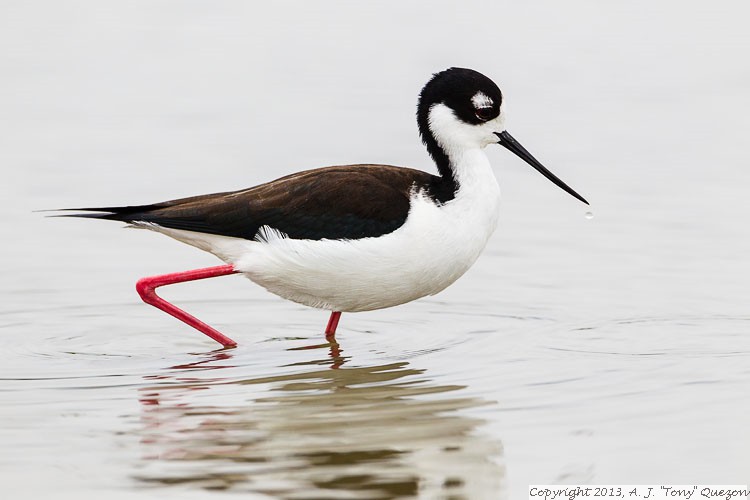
[(461, 109), (474, 98), (458, 107)]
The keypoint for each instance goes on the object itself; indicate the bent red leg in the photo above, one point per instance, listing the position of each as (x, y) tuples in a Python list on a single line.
[(146, 288), (333, 322)]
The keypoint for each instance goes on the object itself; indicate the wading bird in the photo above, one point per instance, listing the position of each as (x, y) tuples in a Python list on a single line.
[(355, 237)]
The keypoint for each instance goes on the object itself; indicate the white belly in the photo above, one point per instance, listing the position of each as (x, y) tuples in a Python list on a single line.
[(429, 252)]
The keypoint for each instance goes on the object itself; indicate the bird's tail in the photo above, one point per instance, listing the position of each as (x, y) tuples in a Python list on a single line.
[(130, 214), (219, 213)]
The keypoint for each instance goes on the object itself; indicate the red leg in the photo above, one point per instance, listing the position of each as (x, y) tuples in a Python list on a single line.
[(146, 288), (333, 322)]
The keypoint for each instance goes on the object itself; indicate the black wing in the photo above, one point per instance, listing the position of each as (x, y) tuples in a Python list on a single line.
[(346, 202)]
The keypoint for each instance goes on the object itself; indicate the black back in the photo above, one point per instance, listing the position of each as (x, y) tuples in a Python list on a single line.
[(346, 202)]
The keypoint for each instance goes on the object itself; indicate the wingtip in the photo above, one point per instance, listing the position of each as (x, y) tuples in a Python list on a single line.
[(84, 215)]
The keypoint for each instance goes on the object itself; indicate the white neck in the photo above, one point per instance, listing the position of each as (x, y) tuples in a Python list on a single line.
[(472, 171)]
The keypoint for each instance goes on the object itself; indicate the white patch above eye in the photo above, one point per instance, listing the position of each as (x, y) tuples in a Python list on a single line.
[(481, 100)]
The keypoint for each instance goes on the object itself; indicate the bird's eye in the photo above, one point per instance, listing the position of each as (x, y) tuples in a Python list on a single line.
[(484, 114)]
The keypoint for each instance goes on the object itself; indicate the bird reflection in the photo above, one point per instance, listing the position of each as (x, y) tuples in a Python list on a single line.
[(382, 431)]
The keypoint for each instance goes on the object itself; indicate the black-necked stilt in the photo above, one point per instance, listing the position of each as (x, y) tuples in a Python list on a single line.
[(355, 237)]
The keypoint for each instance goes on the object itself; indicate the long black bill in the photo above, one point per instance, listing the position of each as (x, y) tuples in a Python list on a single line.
[(513, 145)]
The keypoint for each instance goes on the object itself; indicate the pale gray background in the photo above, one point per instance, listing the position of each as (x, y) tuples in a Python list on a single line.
[(610, 350)]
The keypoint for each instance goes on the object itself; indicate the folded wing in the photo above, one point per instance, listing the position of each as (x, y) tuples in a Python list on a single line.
[(346, 202)]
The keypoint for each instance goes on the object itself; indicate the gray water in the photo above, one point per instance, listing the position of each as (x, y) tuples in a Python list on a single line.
[(607, 350)]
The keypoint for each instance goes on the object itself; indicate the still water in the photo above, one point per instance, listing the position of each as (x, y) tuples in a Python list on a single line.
[(598, 350)]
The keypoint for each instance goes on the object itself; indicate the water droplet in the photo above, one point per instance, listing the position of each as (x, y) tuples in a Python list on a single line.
[(589, 215)]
